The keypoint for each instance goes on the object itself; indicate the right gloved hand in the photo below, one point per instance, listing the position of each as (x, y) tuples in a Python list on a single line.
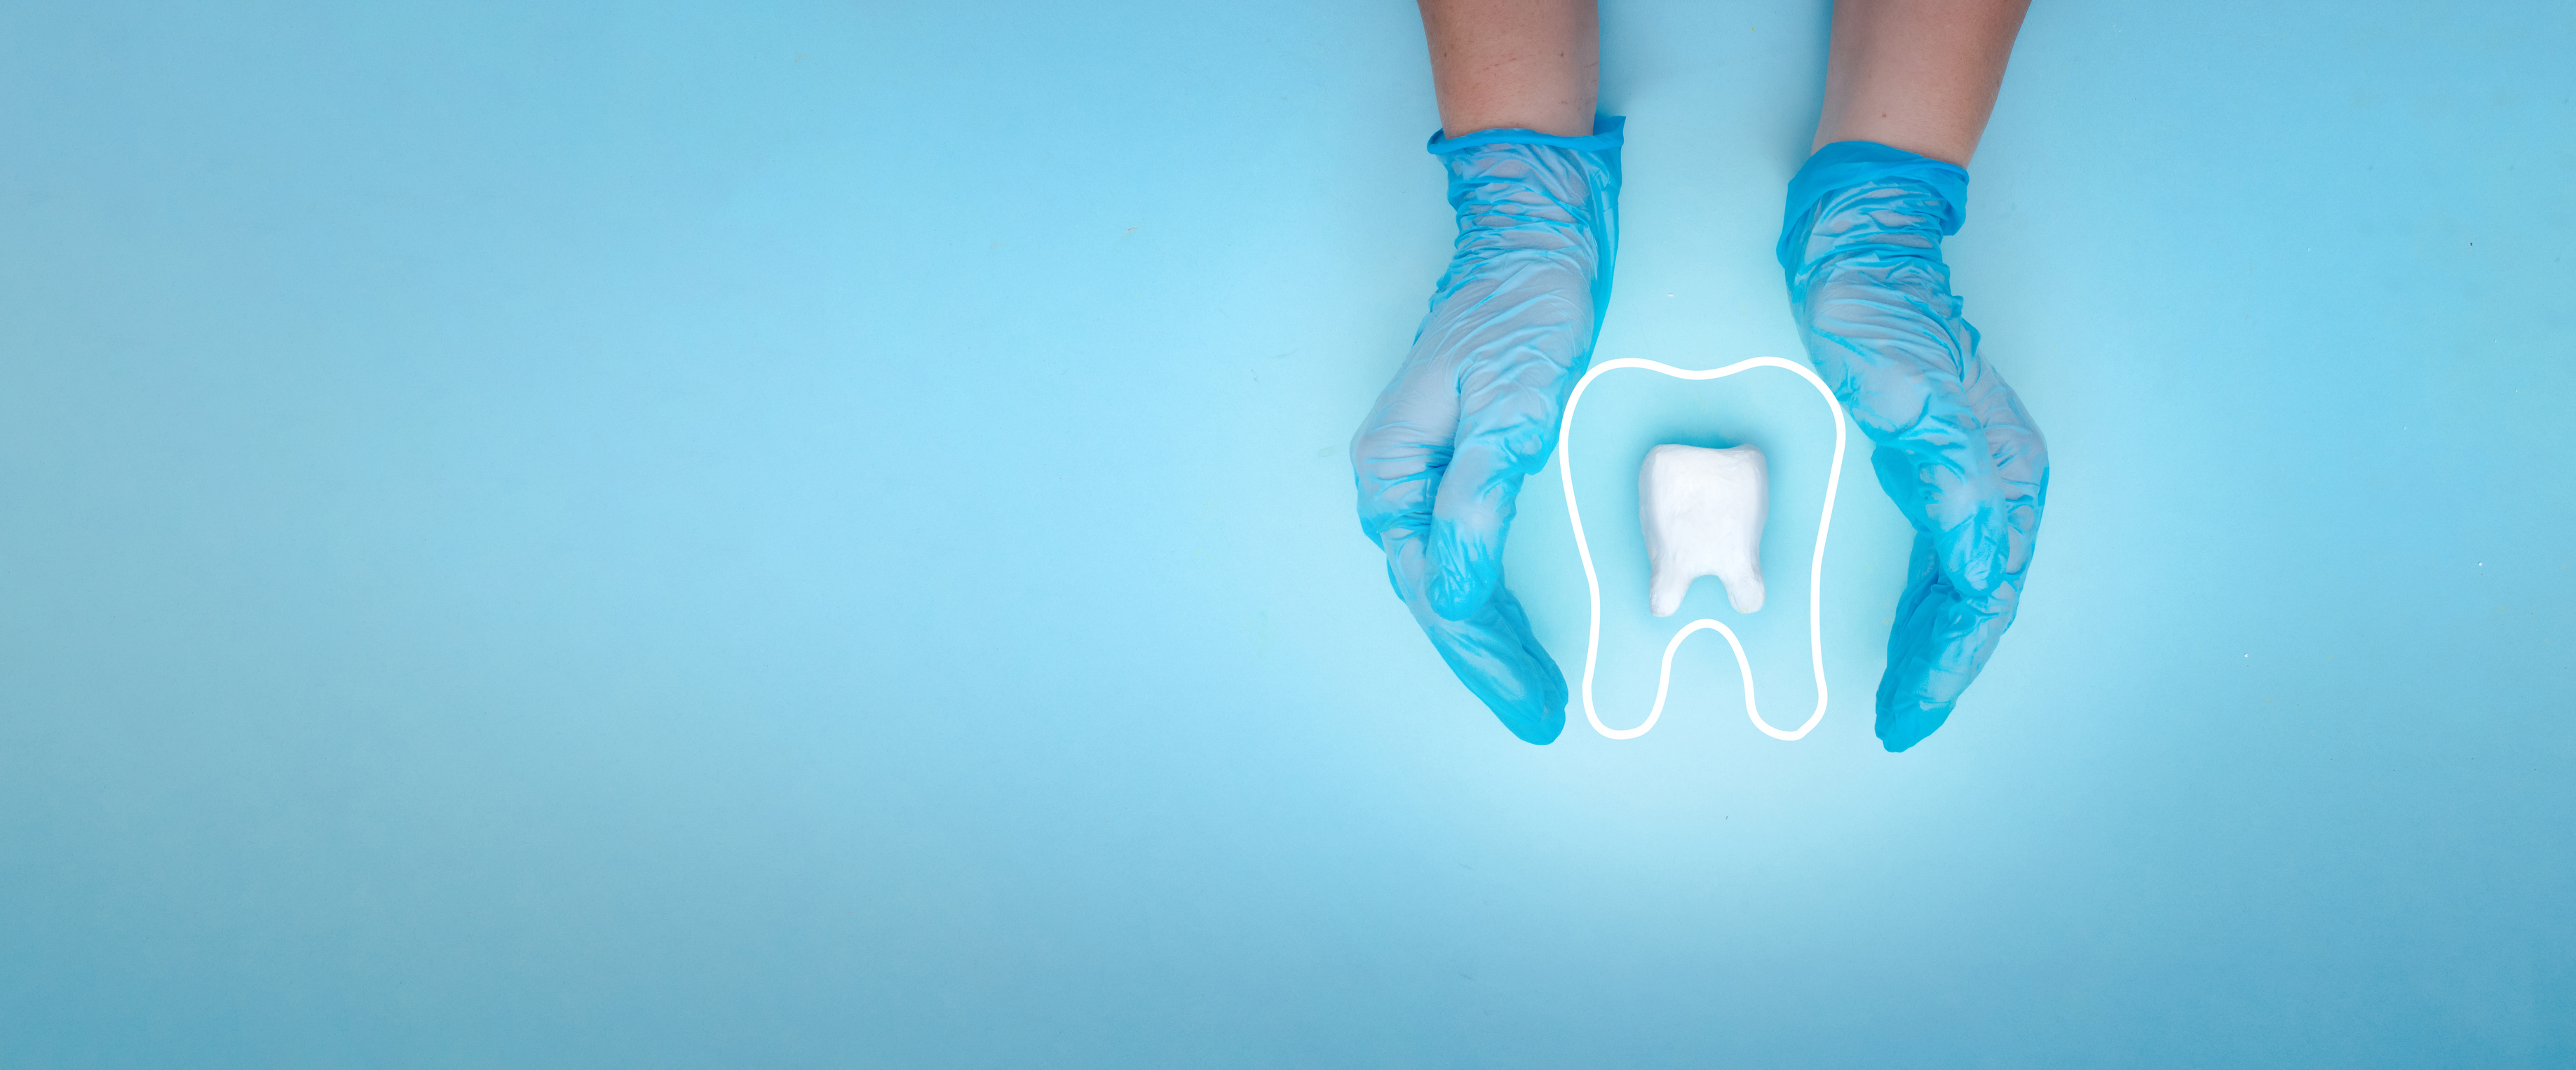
[(1861, 247), (1473, 409)]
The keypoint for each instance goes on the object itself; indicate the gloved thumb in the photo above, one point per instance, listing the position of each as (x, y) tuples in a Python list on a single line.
[(1491, 650)]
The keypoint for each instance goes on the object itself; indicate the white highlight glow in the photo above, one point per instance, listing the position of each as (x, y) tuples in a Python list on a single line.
[(1815, 570)]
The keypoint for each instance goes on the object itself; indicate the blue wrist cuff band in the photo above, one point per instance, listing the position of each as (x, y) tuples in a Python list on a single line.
[(1605, 135)]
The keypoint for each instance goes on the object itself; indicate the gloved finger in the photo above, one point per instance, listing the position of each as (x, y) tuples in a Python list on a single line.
[(1972, 545), (1939, 644), (1952, 499), (1975, 482), (1507, 424), (2020, 455), (1402, 449), (1492, 650)]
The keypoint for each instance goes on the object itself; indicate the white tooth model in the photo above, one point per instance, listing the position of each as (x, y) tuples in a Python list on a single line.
[(1702, 510)]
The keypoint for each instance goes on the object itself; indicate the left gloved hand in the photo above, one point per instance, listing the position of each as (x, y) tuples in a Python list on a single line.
[(1473, 410), (1862, 250)]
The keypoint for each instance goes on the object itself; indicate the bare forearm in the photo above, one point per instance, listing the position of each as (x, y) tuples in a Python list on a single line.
[(1920, 75), (1527, 64)]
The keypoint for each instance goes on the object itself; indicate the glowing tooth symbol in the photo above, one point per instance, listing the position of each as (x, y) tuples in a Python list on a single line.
[(1815, 568)]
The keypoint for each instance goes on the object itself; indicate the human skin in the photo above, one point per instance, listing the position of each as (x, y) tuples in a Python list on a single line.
[(1920, 75), (1514, 64)]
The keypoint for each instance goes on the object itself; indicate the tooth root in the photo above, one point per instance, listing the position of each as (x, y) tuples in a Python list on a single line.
[(1664, 593), (1702, 511), (1743, 587)]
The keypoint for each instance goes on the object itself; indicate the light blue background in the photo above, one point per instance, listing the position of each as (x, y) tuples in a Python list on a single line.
[(804, 535)]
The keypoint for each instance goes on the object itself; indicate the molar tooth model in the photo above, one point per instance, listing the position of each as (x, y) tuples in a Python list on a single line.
[(1702, 513), (1681, 521)]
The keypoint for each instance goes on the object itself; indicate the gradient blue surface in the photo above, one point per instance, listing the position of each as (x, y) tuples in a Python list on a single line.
[(776, 535)]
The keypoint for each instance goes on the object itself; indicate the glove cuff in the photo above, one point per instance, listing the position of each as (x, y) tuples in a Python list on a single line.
[(1846, 164), (1608, 132), (1518, 192)]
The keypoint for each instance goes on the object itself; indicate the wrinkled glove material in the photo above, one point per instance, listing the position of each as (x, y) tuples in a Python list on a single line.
[(1473, 408), (1861, 248)]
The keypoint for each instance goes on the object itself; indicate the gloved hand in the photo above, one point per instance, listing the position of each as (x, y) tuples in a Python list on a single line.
[(1473, 410), (1862, 248)]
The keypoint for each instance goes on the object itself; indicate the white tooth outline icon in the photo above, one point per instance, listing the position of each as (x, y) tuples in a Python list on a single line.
[(1702, 511), (1815, 569)]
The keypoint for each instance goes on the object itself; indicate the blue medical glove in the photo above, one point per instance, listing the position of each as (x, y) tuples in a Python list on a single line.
[(1473, 410), (1862, 248)]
